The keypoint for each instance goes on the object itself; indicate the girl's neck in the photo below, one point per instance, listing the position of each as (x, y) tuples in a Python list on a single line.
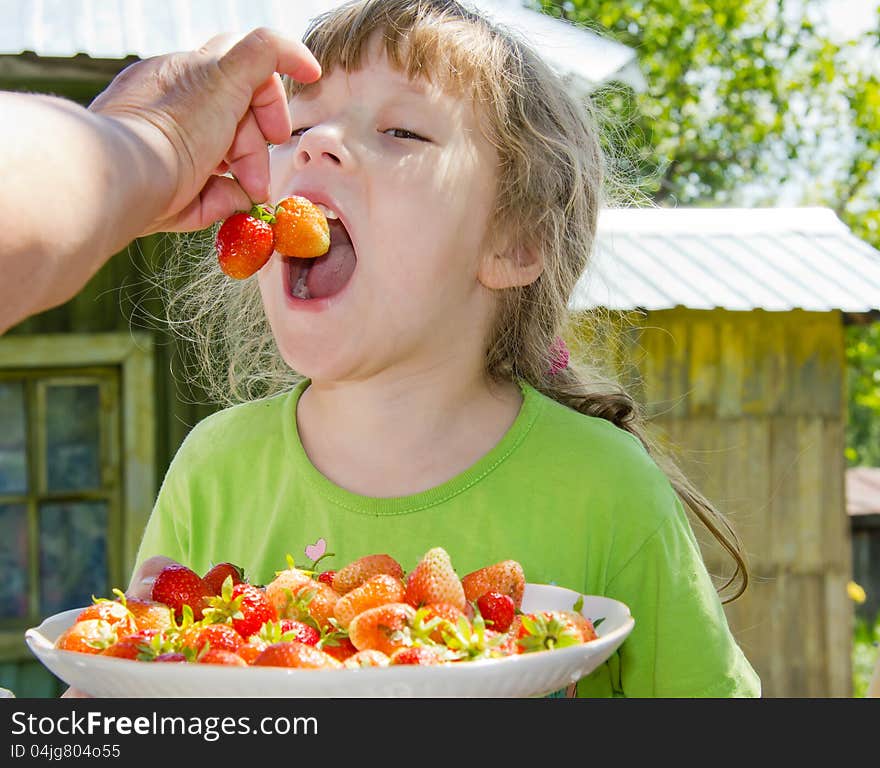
[(397, 438)]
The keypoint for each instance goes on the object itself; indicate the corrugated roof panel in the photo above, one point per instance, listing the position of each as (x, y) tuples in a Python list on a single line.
[(620, 288), (775, 259), (846, 266), (767, 286), (664, 267), (116, 29)]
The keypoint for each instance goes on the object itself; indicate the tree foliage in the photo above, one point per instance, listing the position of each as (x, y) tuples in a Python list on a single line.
[(751, 102)]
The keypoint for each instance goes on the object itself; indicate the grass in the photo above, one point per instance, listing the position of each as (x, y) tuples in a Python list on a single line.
[(866, 646)]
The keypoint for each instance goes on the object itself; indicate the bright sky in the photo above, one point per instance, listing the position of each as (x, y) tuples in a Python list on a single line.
[(849, 18)]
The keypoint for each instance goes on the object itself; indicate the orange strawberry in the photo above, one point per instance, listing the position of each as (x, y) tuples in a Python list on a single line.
[(434, 580), (245, 242), (89, 636), (113, 612), (250, 650), (281, 589), (301, 229), (313, 603), (149, 614), (222, 656), (384, 628), (358, 571), (546, 630), (446, 612), (366, 658), (588, 631), (377, 590), (506, 577), (295, 654)]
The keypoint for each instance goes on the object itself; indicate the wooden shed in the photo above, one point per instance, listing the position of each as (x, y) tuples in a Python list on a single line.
[(732, 336)]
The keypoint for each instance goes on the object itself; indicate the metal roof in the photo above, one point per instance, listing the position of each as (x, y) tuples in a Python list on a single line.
[(776, 259), (863, 491), (115, 29)]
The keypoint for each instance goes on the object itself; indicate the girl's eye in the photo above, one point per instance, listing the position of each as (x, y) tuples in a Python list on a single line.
[(402, 133)]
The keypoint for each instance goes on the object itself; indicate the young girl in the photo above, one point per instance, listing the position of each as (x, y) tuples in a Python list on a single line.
[(412, 391)]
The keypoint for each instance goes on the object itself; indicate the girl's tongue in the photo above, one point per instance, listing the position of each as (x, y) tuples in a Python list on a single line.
[(328, 274)]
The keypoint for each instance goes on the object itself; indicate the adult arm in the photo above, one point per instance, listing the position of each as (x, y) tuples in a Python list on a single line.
[(148, 155)]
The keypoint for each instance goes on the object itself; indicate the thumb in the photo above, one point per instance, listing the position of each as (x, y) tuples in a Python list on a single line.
[(259, 54)]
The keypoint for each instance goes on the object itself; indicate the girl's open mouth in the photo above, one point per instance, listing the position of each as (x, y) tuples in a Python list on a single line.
[(326, 275)]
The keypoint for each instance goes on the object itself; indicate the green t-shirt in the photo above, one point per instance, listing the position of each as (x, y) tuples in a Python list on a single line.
[(577, 501)]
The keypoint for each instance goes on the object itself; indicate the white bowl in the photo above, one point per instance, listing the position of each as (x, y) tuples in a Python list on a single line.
[(531, 674)]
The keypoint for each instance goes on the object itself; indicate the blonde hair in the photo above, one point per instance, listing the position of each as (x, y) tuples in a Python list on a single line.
[(551, 185)]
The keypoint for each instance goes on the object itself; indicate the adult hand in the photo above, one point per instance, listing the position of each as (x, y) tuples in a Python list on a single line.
[(204, 113)]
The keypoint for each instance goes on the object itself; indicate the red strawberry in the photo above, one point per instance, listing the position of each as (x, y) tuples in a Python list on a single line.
[(421, 655), (172, 656), (358, 571), (434, 580), (497, 610), (244, 605), (327, 577), (340, 648), (294, 654), (215, 577), (176, 586), (135, 646), (245, 242), (302, 632), (214, 635), (506, 577)]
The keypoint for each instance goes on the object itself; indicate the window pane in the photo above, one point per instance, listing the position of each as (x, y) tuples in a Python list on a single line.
[(72, 437), (13, 561), (13, 431), (73, 554)]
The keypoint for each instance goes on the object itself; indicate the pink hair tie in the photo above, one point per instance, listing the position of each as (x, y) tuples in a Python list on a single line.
[(558, 356)]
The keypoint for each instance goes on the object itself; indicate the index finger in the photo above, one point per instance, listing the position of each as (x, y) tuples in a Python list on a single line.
[(259, 54)]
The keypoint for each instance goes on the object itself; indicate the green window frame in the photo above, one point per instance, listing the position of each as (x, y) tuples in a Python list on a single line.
[(121, 367)]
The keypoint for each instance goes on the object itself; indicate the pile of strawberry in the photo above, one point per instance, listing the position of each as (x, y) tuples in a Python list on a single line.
[(366, 614)]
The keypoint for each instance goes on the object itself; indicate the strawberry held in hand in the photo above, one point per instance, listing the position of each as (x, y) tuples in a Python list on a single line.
[(245, 241)]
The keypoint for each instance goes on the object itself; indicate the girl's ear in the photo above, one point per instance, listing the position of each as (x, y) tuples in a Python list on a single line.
[(515, 266)]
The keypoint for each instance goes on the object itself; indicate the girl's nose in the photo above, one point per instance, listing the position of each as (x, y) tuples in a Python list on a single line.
[(322, 145)]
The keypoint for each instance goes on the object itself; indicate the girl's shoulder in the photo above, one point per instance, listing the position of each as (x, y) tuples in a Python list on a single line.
[(237, 429), (601, 465)]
